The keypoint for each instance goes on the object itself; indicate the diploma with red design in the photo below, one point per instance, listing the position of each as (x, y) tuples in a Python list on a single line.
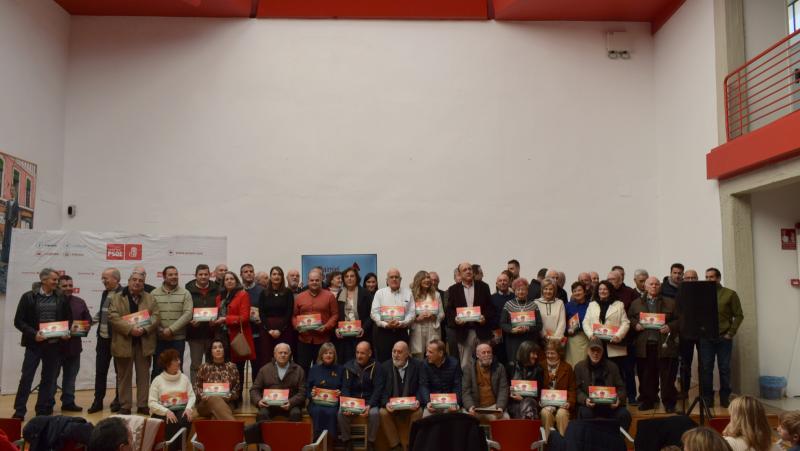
[(392, 313), (56, 329), (176, 400), (204, 314), (352, 405), (80, 328), (574, 323), (525, 388), (653, 321), (309, 322), (222, 389), (468, 314), (527, 318), (444, 401), (326, 397), (431, 307), (603, 395), (604, 332), (553, 398), (138, 319), (402, 402), (349, 328), (275, 396)]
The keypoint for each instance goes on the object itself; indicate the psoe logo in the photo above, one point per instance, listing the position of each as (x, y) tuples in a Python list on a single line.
[(123, 251)]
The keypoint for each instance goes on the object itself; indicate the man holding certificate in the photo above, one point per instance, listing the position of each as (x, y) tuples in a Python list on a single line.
[(71, 363), (316, 315), (598, 374), (392, 313), (359, 385), (134, 317), (655, 318), (400, 383), (37, 309), (477, 297)]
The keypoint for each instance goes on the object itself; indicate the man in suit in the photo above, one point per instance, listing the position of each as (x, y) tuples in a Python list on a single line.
[(469, 293), (399, 377)]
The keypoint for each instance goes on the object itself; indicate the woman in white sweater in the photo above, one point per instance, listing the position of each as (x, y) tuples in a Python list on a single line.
[(607, 312), (554, 314), (171, 396)]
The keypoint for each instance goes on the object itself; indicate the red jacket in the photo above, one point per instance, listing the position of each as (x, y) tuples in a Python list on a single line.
[(239, 316)]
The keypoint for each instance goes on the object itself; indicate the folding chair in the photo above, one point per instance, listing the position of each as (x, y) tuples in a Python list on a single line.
[(517, 435), (290, 436), (218, 435)]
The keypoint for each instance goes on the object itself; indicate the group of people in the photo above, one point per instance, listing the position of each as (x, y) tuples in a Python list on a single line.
[(401, 341)]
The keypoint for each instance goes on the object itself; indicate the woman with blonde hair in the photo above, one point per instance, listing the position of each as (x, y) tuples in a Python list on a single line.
[(553, 312), (426, 325), (748, 429), (703, 439)]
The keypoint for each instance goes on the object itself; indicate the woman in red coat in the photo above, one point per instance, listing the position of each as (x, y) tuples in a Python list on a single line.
[(234, 317)]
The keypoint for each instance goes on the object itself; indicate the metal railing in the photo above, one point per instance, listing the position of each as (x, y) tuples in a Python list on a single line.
[(764, 88)]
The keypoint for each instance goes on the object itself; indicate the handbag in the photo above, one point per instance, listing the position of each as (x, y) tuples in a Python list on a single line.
[(239, 344)]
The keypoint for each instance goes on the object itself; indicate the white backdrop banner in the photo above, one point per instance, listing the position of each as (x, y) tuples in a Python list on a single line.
[(84, 256)]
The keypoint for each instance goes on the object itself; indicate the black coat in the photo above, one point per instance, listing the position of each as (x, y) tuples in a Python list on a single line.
[(26, 320), (363, 305), (482, 299), (386, 378), (363, 385), (451, 431), (596, 435), (46, 433)]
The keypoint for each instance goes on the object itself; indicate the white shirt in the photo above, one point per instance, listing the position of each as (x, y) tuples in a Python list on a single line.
[(469, 294), (385, 297)]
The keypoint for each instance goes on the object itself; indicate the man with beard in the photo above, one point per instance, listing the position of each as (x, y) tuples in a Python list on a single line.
[(400, 377)]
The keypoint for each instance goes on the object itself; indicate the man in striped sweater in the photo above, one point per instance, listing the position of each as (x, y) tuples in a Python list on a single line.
[(175, 305)]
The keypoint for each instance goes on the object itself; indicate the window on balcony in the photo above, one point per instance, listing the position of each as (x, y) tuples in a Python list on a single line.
[(794, 15)]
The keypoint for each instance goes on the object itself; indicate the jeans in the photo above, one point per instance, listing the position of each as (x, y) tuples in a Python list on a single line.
[(721, 350), (163, 345), (49, 354), (70, 367)]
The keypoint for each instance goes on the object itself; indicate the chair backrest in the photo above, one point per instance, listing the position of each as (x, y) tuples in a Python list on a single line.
[(161, 433), (515, 435), (719, 424), (219, 435), (286, 435), (12, 427)]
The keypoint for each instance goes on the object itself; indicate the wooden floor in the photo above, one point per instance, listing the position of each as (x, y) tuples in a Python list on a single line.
[(247, 413)]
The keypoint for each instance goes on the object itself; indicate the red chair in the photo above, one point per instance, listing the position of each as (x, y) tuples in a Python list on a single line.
[(718, 424), (162, 443), (290, 436), (12, 427), (517, 435), (218, 435)]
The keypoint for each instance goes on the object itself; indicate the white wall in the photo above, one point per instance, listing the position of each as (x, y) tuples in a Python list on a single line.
[(765, 23), (777, 301), (34, 42), (426, 142), (686, 211)]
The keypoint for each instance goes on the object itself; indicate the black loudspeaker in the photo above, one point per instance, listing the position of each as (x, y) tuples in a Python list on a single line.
[(697, 307)]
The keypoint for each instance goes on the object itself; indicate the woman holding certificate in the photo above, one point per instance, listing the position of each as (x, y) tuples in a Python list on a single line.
[(278, 303), (354, 322), (324, 387), (606, 319), (429, 314), (233, 304), (171, 396), (217, 384), (558, 375), (524, 402), (520, 320), (553, 312), (576, 312)]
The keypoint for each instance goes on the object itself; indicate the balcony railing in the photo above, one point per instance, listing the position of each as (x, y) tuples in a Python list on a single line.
[(764, 89)]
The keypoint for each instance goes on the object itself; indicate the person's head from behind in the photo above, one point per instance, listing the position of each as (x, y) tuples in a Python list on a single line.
[(111, 434), (789, 428), (703, 439), (749, 422)]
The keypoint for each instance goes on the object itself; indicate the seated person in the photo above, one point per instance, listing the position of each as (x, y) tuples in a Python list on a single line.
[(217, 370), (597, 370), (789, 430), (441, 374), (360, 376), (171, 396), (748, 429), (485, 385), (558, 375), (703, 439), (111, 434), (326, 374), (282, 374), (526, 368), (399, 377)]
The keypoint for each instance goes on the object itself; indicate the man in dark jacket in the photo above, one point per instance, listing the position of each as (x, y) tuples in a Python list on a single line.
[(359, 382), (598, 371), (43, 304), (469, 293), (655, 349), (71, 362), (485, 385), (199, 333), (441, 374), (280, 374), (399, 377), (110, 278)]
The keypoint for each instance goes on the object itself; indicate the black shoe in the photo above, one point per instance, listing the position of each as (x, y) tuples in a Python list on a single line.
[(143, 411), (670, 408), (18, 417), (124, 411), (633, 402), (71, 408), (95, 408), (646, 406), (117, 408)]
